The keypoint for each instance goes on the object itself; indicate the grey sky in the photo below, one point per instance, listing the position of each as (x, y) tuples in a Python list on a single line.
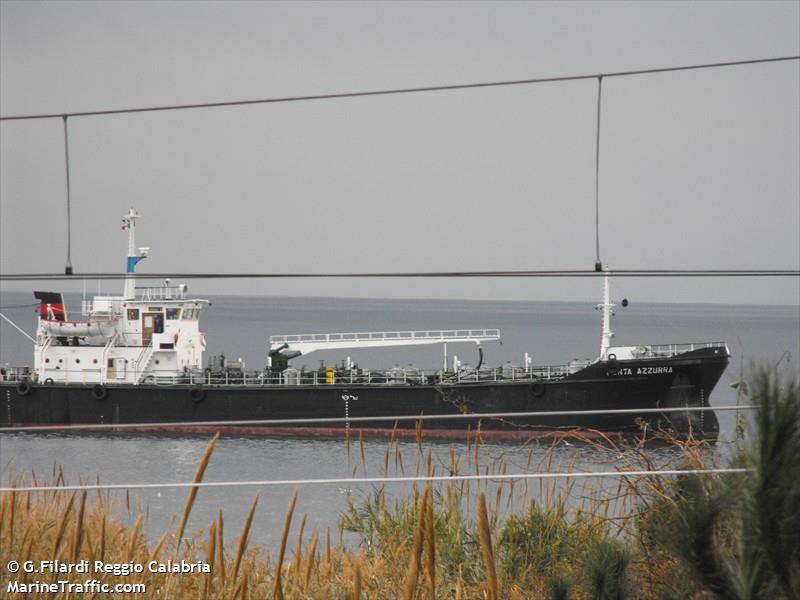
[(698, 169)]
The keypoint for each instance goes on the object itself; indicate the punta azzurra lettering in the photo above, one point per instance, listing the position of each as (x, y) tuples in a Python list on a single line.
[(642, 371)]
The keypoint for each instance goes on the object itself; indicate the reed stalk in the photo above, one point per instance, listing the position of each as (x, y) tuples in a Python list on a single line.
[(210, 554), (102, 549), (3, 504), (221, 548), (242, 546), (298, 551), (430, 544), (310, 559), (22, 553), (328, 546), (79, 528), (277, 591), (12, 502), (134, 537), (245, 582), (198, 477), (61, 527), (159, 545), (356, 579), (416, 555), (486, 547)]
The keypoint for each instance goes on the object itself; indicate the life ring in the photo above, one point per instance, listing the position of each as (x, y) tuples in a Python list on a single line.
[(24, 387), (537, 388), (49, 381), (197, 393), (99, 392)]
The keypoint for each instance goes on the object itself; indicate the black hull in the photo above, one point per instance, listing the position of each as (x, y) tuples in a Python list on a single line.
[(685, 380)]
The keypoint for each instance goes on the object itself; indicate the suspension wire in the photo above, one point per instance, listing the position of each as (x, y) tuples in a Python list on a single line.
[(68, 266), (416, 274), (598, 264), (386, 92), (438, 88), (373, 480), (396, 418)]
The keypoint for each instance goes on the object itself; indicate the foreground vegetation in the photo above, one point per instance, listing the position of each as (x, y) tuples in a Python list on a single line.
[(731, 535)]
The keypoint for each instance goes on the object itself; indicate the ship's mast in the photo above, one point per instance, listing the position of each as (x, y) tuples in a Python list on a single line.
[(606, 307), (129, 223)]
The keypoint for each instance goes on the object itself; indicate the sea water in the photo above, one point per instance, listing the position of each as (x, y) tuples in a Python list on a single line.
[(239, 327)]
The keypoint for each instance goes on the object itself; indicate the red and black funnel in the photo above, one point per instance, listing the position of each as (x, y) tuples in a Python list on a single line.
[(52, 301)]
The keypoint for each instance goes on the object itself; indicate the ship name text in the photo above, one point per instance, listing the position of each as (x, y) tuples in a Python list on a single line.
[(642, 371)]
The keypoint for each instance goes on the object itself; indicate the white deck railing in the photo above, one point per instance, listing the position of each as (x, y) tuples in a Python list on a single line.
[(439, 335), (148, 294), (669, 350), (310, 342)]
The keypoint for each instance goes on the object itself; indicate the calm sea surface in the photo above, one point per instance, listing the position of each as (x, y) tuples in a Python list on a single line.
[(553, 333)]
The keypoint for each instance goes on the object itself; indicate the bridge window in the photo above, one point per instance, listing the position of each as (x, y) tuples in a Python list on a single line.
[(133, 314), (173, 314)]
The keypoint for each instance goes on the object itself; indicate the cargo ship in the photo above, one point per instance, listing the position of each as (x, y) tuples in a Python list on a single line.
[(137, 359)]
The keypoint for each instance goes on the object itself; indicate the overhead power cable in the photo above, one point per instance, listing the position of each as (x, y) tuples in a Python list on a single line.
[(396, 418), (421, 89), (391, 91), (415, 274), (362, 480)]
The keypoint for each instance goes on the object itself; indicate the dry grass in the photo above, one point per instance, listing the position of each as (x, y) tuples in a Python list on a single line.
[(429, 545)]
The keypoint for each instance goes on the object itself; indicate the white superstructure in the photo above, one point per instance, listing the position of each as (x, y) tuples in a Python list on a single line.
[(145, 335)]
